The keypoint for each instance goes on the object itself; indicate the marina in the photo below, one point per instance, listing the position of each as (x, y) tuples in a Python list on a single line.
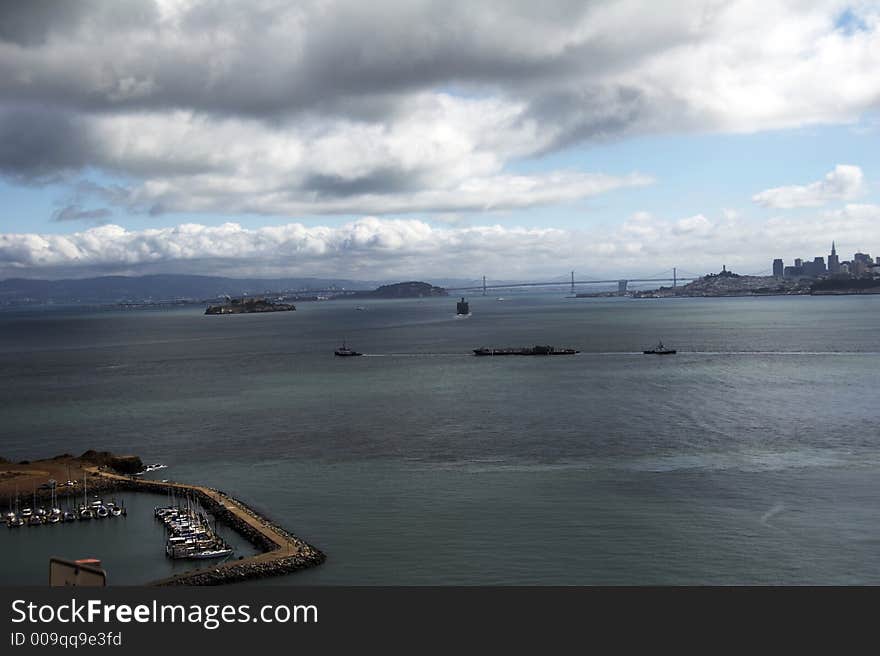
[(190, 534), (191, 537), (38, 515), (200, 524)]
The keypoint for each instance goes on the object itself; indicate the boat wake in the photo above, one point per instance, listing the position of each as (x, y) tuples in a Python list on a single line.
[(775, 510), (416, 355)]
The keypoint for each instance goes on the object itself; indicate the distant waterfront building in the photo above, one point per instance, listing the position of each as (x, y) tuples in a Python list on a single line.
[(798, 262), (860, 263), (815, 268), (833, 261), (778, 268)]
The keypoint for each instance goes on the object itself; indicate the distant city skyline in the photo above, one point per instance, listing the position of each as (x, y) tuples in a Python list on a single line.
[(429, 140), (860, 264)]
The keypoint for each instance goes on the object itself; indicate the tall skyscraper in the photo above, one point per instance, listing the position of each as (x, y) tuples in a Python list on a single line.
[(833, 261), (778, 268)]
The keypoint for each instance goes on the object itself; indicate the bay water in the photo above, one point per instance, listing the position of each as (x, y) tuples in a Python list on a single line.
[(751, 456)]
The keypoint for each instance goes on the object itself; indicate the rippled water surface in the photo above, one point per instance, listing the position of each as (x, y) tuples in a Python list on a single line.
[(751, 456)]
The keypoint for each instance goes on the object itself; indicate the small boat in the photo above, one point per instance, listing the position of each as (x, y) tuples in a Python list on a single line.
[(15, 522), (210, 553), (360, 308), (344, 351), (26, 512), (69, 516), (35, 520), (101, 511), (86, 513), (462, 308), (53, 518), (659, 350)]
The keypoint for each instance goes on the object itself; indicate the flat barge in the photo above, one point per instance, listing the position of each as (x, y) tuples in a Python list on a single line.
[(528, 350)]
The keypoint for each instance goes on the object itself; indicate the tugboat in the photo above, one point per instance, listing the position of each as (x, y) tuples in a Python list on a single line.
[(659, 350), (462, 308), (344, 351)]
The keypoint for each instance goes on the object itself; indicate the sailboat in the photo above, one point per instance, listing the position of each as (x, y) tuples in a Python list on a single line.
[(84, 511), (11, 514), (36, 515), (13, 517), (54, 511)]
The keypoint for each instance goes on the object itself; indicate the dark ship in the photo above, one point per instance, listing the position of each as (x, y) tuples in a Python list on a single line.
[(530, 350), (345, 352), (462, 307), (659, 350)]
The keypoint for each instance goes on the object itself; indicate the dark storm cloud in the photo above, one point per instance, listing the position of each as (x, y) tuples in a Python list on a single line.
[(591, 114), (77, 213), (38, 143), (33, 22), (260, 60), (387, 180), (397, 105)]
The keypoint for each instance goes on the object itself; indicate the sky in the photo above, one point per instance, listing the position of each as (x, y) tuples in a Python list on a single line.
[(411, 139)]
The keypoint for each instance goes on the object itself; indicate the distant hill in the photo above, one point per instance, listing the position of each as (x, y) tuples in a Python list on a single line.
[(727, 283), (411, 289), (154, 288)]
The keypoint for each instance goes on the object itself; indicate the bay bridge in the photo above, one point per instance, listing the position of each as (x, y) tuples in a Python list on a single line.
[(622, 283)]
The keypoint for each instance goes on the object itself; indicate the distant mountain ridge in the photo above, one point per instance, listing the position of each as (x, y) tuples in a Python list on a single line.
[(159, 287)]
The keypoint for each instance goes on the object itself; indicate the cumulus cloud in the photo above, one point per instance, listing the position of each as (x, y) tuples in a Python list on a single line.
[(374, 248), (845, 182), (339, 107)]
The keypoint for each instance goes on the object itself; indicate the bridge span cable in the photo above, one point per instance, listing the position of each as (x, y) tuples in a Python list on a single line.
[(666, 273)]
